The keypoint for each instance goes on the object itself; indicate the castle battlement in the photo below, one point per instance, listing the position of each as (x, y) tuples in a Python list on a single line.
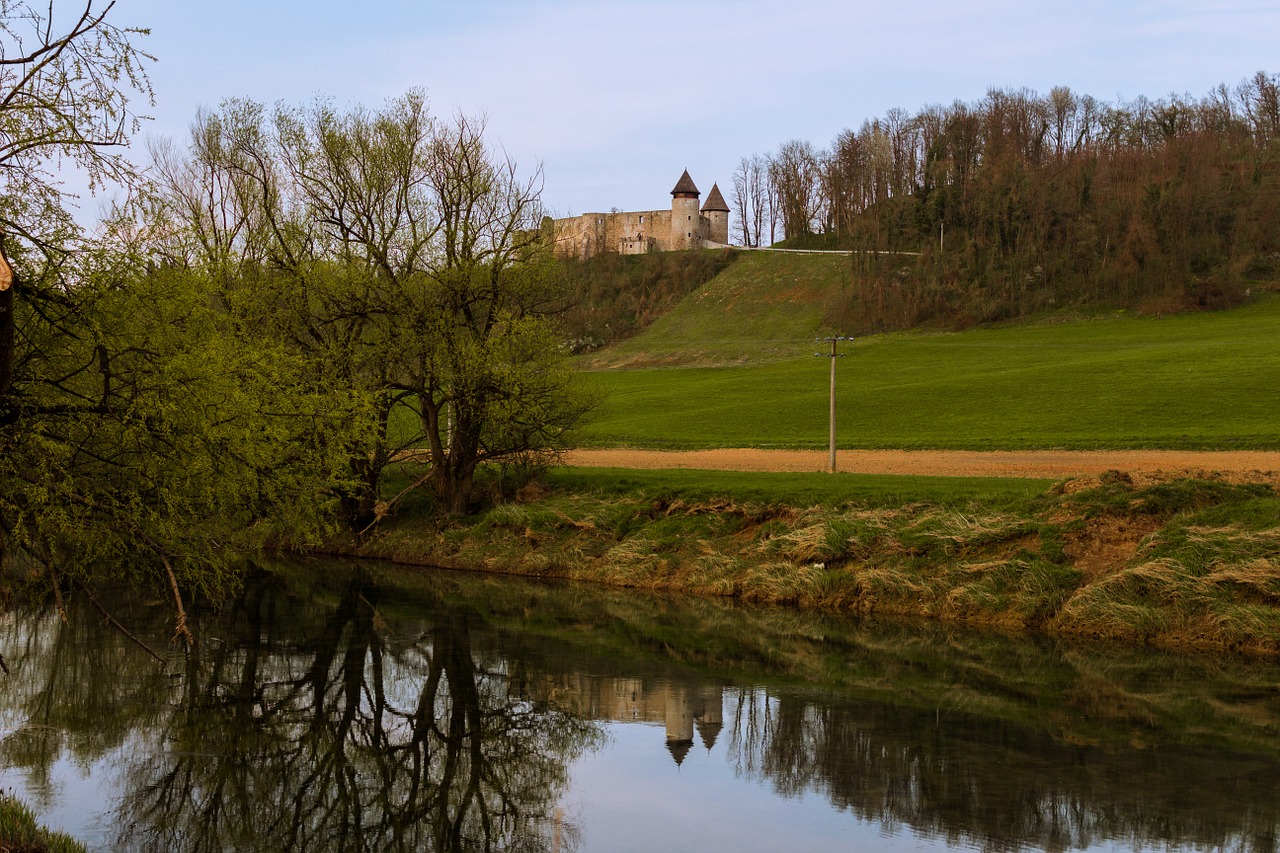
[(684, 226)]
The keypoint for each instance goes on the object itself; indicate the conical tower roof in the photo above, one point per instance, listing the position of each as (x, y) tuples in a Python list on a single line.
[(715, 201), (709, 731), (679, 749), (685, 186)]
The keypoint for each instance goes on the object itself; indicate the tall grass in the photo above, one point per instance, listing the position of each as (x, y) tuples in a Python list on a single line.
[(19, 832)]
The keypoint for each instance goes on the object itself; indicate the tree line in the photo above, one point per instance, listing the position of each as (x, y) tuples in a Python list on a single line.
[(1021, 201)]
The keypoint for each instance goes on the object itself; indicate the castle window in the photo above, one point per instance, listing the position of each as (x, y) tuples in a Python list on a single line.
[(641, 220), (690, 218)]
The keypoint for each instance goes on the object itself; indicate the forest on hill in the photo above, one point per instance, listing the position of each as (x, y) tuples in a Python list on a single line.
[(1021, 202)]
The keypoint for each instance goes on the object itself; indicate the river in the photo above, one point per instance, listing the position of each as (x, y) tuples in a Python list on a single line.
[(363, 707)]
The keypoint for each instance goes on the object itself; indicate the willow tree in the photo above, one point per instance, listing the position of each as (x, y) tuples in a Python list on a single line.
[(397, 255), (66, 86), (137, 435)]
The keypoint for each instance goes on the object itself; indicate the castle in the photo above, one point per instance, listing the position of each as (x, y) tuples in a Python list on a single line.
[(684, 226)]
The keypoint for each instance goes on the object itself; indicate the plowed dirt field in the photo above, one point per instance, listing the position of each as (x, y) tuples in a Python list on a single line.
[(1254, 466)]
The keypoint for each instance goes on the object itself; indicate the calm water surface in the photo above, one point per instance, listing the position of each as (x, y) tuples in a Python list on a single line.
[(341, 708)]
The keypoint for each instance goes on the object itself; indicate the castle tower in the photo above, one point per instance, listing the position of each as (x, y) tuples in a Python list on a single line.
[(717, 213), (686, 220), (711, 719), (679, 719)]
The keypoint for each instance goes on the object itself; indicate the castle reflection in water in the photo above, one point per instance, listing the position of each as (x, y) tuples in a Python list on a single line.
[(689, 712)]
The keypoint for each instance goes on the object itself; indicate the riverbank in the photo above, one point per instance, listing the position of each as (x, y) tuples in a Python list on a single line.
[(1184, 563)]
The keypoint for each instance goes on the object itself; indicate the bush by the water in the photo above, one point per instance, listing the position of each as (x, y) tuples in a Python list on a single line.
[(19, 832)]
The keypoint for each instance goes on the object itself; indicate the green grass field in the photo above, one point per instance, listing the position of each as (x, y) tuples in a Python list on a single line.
[(1207, 380), (801, 490)]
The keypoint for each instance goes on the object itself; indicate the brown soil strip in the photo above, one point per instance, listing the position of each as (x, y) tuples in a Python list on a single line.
[(1046, 464)]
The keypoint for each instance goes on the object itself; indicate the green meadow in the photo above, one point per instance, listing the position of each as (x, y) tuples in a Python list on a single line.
[(865, 490), (1112, 380)]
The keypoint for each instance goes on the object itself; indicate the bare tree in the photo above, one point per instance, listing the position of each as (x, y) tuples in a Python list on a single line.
[(844, 178), (750, 180), (1260, 97), (795, 176)]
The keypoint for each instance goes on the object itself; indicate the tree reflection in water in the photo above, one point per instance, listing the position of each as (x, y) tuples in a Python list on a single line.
[(997, 787), (980, 782), (324, 711), (349, 740)]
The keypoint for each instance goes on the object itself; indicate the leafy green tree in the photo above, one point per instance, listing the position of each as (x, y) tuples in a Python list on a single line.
[(136, 431), (496, 385), (143, 427), (64, 95), (396, 255)]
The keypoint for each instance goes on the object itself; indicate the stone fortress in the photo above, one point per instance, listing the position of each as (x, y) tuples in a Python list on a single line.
[(684, 226)]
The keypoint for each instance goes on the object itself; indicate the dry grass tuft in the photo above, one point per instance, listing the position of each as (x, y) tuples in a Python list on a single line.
[(957, 531), (781, 582), (806, 545), (1260, 578), (586, 524)]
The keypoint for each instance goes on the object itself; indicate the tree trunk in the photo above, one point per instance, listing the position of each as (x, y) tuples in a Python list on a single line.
[(359, 503), (7, 325)]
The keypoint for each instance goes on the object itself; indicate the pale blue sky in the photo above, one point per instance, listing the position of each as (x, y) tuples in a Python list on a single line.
[(616, 98)]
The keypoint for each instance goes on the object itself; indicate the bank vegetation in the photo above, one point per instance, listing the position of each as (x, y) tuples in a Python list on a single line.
[(1184, 562)]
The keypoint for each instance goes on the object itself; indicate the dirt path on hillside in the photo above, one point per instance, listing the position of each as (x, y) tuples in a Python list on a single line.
[(1048, 464)]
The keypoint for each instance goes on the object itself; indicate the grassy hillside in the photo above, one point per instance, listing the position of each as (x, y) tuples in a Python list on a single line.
[(1202, 380), (761, 307), (612, 297)]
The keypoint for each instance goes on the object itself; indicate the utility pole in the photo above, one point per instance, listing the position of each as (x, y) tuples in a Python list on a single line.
[(833, 355)]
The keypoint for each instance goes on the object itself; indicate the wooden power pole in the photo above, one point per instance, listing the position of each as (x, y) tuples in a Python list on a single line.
[(833, 355)]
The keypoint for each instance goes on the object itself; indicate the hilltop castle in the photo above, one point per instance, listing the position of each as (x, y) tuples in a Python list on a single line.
[(684, 226)]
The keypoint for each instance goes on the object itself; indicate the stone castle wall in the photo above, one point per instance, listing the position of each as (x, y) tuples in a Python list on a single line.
[(684, 226), (631, 233)]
